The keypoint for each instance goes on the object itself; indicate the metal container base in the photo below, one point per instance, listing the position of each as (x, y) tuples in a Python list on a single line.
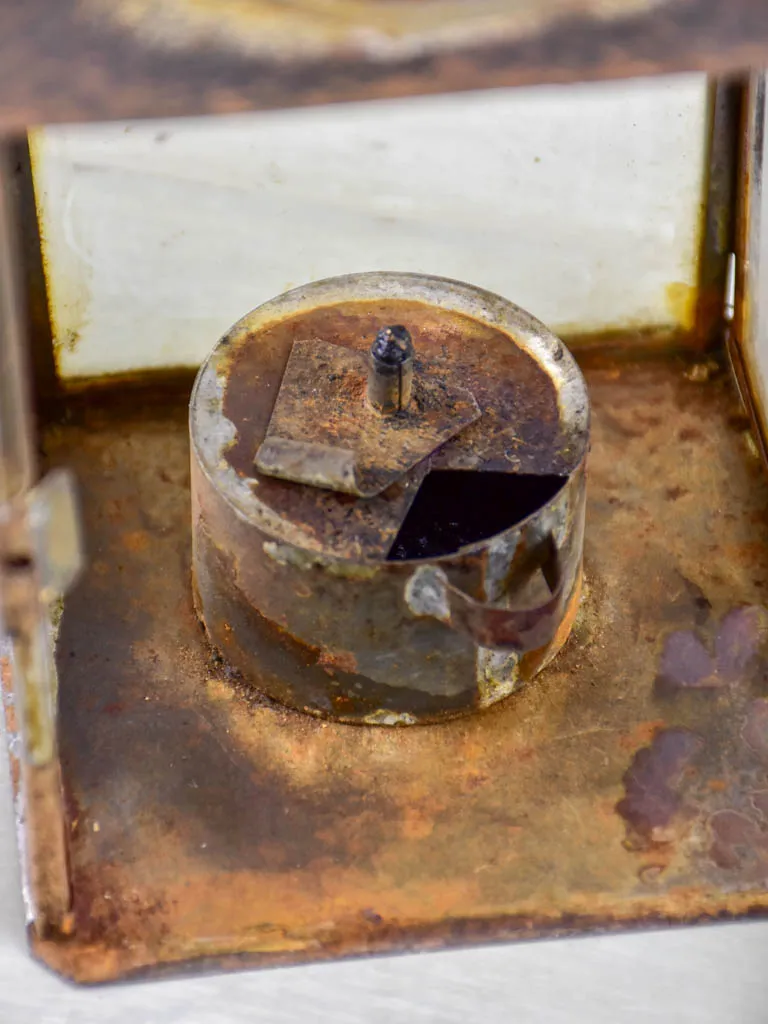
[(627, 785)]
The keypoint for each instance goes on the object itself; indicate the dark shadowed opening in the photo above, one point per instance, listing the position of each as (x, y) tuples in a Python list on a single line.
[(454, 508)]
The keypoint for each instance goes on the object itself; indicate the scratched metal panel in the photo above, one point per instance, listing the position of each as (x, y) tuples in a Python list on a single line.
[(581, 204)]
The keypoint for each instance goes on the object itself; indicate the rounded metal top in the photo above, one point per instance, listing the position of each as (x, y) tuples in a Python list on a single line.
[(532, 397), (392, 345)]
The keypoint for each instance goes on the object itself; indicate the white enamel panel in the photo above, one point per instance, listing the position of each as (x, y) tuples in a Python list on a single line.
[(582, 204)]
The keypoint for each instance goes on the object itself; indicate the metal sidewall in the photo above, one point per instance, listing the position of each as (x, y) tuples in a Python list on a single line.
[(353, 623), (354, 641)]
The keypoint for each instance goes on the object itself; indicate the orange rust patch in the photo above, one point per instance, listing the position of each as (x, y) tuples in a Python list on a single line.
[(343, 660), (641, 735), (136, 540)]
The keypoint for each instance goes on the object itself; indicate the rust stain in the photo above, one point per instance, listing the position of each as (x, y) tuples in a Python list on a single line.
[(322, 402), (682, 303), (136, 540), (344, 660), (642, 734), (233, 831), (517, 382), (702, 785)]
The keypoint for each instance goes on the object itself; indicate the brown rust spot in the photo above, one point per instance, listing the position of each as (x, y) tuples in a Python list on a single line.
[(502, 377), (525, 455), (675, 493), (324, 432), (690, 434), (643, 734), (136, 540)]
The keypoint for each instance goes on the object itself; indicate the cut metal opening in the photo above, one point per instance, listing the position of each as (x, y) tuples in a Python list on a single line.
[(456, 507)]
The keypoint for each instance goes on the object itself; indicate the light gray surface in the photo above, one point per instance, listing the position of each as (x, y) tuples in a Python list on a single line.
[(716, 974)]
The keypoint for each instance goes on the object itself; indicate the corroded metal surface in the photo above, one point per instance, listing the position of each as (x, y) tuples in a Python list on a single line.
[(323, 430), (627, 786), (492, 515), (504, 378), (69, 60)]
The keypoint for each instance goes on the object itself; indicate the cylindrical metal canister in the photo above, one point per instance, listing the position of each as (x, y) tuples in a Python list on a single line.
[(381, 552)]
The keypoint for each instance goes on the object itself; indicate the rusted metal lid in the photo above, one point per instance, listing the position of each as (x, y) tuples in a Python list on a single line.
[(325, 432), (284, 393)]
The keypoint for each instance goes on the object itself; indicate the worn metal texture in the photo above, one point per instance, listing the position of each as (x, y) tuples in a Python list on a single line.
[(536, 419), (70, 60), (626, 786), (323, 430), (313, 595)]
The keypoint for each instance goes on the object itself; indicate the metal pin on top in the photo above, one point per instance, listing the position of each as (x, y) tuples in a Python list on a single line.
[(390, 370)]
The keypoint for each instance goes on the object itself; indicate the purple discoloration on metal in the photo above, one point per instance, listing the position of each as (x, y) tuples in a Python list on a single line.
[(686, 663), (725, 805), (653, 800), (738, 641), (739, 843), (739, 836)]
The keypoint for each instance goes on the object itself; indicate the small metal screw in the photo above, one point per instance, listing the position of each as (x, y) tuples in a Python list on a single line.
[(390, 369)]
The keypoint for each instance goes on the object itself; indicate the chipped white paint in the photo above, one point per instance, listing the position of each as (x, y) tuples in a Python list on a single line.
[(582, 204)]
